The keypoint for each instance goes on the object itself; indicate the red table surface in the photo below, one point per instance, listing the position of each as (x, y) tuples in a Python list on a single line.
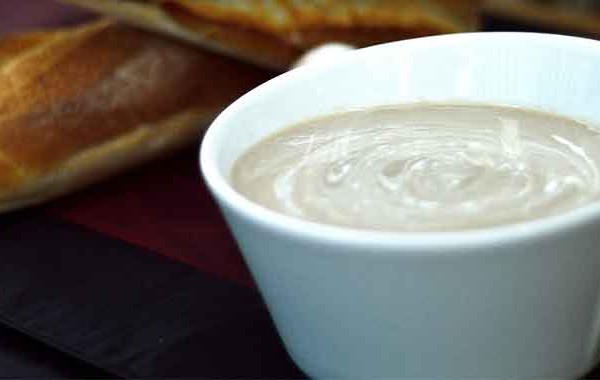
[(163, 206)]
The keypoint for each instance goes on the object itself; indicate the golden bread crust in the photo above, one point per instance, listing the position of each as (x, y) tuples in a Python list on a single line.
[(290, 19), (274, 33), (85, 103)]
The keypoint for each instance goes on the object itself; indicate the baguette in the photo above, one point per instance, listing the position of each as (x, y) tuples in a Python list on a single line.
[(78, 105), (276, 33)]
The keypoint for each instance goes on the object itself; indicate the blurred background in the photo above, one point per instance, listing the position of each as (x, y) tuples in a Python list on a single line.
[(573, 17)]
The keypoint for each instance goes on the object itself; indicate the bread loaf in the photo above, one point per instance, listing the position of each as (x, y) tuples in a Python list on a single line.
[(80, 104), (276, 33)]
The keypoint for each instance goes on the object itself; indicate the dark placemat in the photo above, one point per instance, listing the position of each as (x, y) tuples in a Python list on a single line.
[(128, 310), (22, 357)]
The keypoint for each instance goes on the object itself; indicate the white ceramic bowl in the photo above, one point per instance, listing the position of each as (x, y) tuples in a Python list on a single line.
[(515, 301)]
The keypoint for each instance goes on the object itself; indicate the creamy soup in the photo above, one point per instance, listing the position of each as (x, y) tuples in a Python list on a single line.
[(424, 167)]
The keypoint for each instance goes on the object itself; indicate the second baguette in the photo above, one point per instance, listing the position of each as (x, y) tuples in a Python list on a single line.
[(81, 104)]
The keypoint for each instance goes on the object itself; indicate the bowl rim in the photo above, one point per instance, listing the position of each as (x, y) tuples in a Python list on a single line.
[(425, 243)]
